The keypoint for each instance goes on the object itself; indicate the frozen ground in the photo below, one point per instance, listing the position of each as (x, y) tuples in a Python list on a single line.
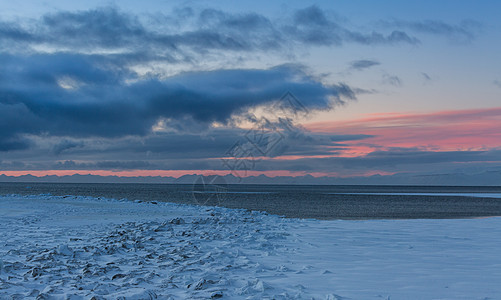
[(80, 248), (477, 195)]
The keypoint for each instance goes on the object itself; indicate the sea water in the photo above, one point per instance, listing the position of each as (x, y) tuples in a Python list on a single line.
[(297, 201)]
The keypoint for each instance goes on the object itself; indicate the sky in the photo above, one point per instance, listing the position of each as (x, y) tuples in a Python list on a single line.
[(325, 88)]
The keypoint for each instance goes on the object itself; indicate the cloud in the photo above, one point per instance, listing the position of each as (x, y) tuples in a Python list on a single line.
[(384, 143), (464, 32), (389, 161), (99, 165), (426, 77), (106, 102), (363, 64), (168, 150), (497, 83), (392, 80), (10, 143), (77, 90), (465, 130), (181, 36), (11, 123), (312, 25), (74, 73), (105, 27), (65, 145)]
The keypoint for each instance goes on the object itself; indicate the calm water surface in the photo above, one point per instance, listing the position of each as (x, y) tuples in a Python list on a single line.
[(303, 201)]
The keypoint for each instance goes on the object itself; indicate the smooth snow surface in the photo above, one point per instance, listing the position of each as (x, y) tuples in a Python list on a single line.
[(80, 247), (478, 195)]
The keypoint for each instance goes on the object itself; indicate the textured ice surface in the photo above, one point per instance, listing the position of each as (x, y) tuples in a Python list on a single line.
[(81, 247), (478, 195)]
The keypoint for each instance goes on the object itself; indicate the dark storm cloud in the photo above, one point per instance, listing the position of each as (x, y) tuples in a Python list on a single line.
[(216, 143), (171, 151), (12, 165), (99, 165), (167, 150), (13, 32), (75, 95), (11, 123), (65, 145), (391, 160), (211, 144), (10, 143), (363, 64), (127, 165), (166, 164)]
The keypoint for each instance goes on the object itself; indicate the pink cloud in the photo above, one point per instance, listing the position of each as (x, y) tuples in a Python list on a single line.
[(461, 130), (476, 129)]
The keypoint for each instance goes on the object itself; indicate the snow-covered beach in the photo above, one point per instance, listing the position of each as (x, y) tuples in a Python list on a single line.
[(73, 247)]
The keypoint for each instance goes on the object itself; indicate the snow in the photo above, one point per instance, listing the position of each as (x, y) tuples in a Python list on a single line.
[(80, 247), (481, 195)]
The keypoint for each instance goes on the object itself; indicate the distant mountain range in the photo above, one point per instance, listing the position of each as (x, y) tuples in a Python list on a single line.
[(481, 179)]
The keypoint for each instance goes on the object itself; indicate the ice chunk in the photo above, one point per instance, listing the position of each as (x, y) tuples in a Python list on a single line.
[(65, 250)]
